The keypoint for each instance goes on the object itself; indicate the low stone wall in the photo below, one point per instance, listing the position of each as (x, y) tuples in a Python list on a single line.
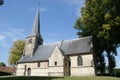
[(39, 72), (56, 71), (82, 71)]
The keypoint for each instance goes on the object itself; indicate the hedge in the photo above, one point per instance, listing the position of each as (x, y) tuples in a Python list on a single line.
[(4, 73)]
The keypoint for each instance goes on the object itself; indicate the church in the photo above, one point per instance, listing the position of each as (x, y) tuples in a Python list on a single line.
[(65, 58)]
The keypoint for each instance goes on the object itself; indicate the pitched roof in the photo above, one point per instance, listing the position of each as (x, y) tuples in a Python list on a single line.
[(69, 47), (42, 53), (81, 45), (7, 69)]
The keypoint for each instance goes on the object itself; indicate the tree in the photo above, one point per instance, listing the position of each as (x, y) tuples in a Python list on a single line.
[(90, 24), (16, 51), (1, 2), (2, 64), (101, 19)]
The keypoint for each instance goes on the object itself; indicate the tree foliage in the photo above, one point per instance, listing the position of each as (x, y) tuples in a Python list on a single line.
[(16, 51), (2, 64), (1, 2), (101, 19)]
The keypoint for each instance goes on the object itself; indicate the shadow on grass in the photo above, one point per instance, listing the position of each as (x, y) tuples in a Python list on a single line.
[(29, 78)]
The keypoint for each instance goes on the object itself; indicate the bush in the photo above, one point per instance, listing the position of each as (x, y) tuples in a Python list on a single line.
[(4, 73), (116, 72)]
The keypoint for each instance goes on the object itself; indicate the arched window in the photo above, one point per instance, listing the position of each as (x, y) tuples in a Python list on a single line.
[(79, 61), (29, 41)]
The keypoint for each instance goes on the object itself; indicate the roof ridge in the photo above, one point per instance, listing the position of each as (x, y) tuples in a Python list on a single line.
[(78, 38), (61, 43)]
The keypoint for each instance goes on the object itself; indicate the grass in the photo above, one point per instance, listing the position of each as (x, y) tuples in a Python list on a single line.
[(57, 78)]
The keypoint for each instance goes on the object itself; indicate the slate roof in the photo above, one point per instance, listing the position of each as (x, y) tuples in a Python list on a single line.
[(69, 47), (36, 26), (81, 45)]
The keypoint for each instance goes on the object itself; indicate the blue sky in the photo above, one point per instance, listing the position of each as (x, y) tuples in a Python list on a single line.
[(57, 19)]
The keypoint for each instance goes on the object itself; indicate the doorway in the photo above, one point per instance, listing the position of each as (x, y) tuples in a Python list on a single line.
[(29, 71)]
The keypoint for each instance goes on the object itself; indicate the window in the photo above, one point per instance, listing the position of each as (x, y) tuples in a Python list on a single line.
[(29, 41), (38, 64), (79, 61), (55, 63), (29, 71)]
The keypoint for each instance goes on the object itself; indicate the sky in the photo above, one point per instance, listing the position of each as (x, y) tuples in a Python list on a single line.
[(57, 19)]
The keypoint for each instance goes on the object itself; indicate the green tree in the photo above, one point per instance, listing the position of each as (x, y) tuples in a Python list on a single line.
[(1, 2), (101, 19), (16, 51), (2, 64)]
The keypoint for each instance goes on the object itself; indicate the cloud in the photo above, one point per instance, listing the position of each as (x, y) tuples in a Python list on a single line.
[(77, 4), (74, 2), (2, 37), (2, 40), (11, 34), (17, 32)]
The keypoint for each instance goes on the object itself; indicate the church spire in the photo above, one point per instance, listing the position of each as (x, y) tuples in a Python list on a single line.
[(36, 26), (34, 39)]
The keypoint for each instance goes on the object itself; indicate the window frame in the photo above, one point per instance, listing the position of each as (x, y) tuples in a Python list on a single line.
[(79, 60), (55, 63), (38, 64)]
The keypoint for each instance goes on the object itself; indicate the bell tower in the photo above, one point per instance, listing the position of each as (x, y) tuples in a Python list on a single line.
[(34, 39)]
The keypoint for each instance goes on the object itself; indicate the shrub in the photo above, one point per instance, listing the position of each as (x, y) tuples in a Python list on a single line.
[(4, 73), (116, 72)]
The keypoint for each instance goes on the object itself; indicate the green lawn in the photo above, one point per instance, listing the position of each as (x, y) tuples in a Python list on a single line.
[(59, 78)]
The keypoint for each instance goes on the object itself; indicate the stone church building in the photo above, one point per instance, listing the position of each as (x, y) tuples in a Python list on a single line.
[(65, 58)]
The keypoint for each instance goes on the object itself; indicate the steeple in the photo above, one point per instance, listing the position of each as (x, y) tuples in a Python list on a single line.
[(36, 28), (34, 39)]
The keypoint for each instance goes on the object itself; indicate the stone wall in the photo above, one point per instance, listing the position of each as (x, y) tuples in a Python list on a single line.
[(35, 70), (56, 71), (39, 72), (61, 68), (56, 63), (82, 71), (87, 69), (56, 57)]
